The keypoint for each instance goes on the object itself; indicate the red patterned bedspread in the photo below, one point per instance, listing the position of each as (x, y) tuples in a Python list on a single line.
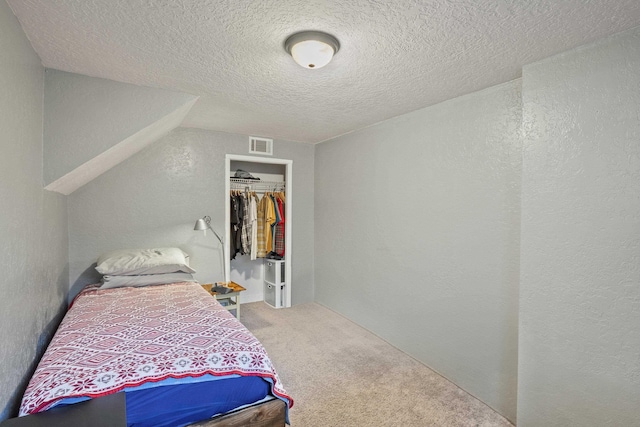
[(116, 338)]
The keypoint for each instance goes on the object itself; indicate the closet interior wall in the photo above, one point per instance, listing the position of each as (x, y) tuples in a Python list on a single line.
[(244, 271)]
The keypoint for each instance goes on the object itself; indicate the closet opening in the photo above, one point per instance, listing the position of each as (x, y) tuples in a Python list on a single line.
[(259, 177)]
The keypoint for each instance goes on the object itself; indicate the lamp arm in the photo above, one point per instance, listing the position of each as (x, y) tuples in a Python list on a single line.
[(216, 234), (224, 256), (206, 220)]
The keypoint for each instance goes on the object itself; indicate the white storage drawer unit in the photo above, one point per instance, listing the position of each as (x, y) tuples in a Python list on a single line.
[(274, 295), (274, 271), (274, 283)]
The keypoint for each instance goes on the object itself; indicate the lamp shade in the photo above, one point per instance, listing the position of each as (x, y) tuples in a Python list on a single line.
[(312, 49), (200, 225)]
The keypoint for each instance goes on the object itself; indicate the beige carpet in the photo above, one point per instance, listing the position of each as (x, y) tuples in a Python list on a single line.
[(339, 374)]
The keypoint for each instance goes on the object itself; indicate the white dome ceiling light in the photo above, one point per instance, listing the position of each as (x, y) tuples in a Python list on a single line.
[(312, 49)]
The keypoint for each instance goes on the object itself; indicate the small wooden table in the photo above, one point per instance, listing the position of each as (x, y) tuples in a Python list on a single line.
[(230, 300)]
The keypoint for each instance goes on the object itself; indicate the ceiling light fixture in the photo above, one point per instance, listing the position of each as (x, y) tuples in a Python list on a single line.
[(312, 49)]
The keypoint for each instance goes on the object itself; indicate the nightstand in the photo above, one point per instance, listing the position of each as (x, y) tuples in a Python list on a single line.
[(230, 300)]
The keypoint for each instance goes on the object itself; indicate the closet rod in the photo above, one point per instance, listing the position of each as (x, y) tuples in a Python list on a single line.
[(256, 185)]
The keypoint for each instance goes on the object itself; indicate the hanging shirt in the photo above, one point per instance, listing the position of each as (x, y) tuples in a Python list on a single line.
[(240, 225), (246, 224), (234, 222), (253, 219), (279, 235), (270, 220), (261, 251), (275, 222)]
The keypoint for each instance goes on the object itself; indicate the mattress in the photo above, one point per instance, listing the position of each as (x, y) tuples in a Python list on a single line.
[(182, 404), (172, 348)]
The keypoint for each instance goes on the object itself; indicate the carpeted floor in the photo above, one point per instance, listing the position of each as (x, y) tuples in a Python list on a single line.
[(339, 374)]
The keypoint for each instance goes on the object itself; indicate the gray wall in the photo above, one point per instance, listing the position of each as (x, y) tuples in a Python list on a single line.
[(417, 233), (580, 283), (155, 197), (33, 222), (85, 116)]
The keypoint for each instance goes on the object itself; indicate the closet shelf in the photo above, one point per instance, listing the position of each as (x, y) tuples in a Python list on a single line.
[(256, 185)]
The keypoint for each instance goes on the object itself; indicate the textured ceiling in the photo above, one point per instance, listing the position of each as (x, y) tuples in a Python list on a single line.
[(395, 56)]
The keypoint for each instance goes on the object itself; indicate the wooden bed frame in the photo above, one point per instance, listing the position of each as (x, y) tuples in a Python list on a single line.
[(266, 414)]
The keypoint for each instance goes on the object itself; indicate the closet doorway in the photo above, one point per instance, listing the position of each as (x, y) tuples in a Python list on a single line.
[(242, 269)]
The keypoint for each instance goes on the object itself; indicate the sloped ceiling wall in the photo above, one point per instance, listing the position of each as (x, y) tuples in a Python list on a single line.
[(92, 124)]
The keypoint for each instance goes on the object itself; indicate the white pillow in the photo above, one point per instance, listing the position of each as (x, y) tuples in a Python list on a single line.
[(144, 280), (143, 261)]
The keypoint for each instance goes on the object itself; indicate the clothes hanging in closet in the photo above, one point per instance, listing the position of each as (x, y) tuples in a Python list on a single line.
[(257, 225)]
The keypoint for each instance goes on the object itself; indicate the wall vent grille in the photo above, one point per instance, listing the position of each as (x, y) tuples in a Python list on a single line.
[(260, 145)]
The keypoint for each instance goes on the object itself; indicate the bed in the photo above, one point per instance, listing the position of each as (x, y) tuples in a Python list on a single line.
[(177, 354)]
